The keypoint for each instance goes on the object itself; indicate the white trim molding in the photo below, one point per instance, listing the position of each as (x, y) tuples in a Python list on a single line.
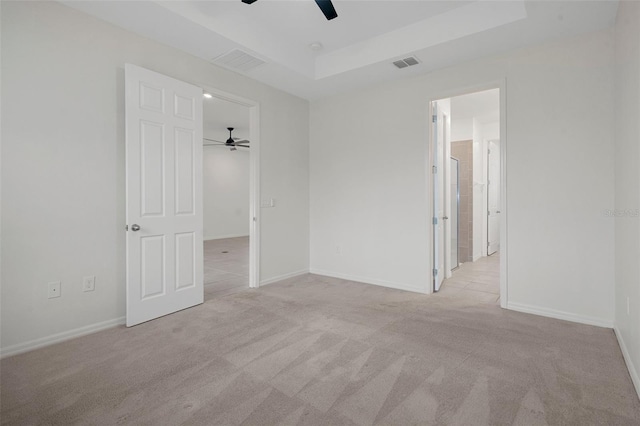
[(561, 315), (372, 281), (60, 337), (222, 237), (627, 359), (284, 277)]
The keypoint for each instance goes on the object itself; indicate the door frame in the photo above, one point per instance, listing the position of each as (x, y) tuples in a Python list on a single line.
[(501, 85), (254, 177)]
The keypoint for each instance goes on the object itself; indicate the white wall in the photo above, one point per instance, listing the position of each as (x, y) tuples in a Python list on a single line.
[(479, 131), (63, 166), (479, 189), (461, 129), (491, 130), (627, 184), (226, 192), (487, 131), (444, 105), (369, 191), (1, 231)]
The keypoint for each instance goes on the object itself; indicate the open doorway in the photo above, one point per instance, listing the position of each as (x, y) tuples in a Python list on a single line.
[(227, 207), (467, 187)]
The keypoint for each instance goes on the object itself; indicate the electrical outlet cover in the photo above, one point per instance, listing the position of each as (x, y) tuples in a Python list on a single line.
[(53, 289)]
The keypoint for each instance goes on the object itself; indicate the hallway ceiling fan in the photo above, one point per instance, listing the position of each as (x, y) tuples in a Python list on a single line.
[(325, 6), (231, 143)]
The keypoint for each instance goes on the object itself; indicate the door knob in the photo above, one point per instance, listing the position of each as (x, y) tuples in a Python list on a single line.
[(445, 217), (135, 227)]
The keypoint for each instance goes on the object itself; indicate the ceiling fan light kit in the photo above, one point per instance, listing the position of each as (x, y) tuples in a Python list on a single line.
[(326, 6)]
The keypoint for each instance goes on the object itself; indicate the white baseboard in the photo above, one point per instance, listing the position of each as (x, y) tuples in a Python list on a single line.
[(373, 281), (59, 337), (283, 277), (222, 237), (627, 359), (552, 313)]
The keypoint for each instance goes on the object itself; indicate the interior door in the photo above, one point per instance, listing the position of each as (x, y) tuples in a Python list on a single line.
[(438, 197), (493, 194), (164, 195), (454, 211)]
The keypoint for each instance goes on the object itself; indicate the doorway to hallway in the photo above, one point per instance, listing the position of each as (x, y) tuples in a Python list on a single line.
[(226, 266), (467, 185), (227, 196), (477, 280)]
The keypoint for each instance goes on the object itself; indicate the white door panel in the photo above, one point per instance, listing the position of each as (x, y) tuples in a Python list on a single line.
[(438, 197), (493, 198), (454, 201), (164, 195)]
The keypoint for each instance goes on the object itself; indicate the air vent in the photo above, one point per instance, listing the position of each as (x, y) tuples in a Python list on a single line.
[(406, 62), (238, 60)]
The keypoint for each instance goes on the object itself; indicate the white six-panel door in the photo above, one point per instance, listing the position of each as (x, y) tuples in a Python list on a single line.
[(164, 195)]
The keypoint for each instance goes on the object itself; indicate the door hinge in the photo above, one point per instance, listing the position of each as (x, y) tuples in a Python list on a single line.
[(435, 221), (126, 227), (488, 151), (435, 272), (488, 212), (434, 169), (434, 118)]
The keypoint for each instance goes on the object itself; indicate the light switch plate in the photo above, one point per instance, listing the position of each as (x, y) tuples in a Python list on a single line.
[(89, 283), (267, 203)]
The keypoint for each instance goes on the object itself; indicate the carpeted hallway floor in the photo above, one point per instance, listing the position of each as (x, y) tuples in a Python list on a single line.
[(318, 351)]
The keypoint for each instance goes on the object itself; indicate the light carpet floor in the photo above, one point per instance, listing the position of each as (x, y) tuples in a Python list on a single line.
[(321, 351), (226, 266)]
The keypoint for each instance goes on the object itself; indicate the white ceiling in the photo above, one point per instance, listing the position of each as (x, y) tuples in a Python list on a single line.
[(361, 43), (483, 106)]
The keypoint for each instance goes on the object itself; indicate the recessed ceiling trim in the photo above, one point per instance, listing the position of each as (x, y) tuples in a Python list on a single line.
[(454, 24), (193, 28)]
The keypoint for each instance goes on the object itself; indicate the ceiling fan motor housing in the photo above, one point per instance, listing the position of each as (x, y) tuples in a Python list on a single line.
[(230, 141)]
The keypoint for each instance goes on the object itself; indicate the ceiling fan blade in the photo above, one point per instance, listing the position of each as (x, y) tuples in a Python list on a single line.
[(212, 142), (244, 141), (327, 8)]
